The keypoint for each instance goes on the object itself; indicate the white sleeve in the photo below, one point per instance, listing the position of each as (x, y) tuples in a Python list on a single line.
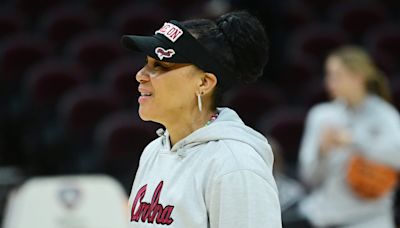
[(385, 147), (311, 164), (243, 199)]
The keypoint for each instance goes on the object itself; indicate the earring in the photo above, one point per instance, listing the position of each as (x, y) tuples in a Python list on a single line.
[(199, 103)]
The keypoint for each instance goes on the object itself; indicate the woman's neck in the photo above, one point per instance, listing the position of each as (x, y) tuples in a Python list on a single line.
[(183, 125), (357, 98)]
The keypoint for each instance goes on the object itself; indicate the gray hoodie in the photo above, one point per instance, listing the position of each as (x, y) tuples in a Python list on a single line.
[(220, 176)]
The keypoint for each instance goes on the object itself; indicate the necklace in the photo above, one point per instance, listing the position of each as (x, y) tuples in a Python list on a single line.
[(212, 119)]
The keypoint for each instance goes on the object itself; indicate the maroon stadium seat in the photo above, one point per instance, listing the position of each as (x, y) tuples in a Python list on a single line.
[(48, 81), (63, 23), (316, 40), (33, 8), (82, 108), (104, 7), (384, 44), (286, 126), (120, 77), (95, 50), (121, 138), (321, 6), (66, 139), (356, 18), (19, 53), (296, 74), (315, 93), (123, 134), (295, 15), (252, 101), (11, 23), (142, 19)]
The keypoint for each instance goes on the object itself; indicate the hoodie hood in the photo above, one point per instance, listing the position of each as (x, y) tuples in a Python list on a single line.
[(228, 126)]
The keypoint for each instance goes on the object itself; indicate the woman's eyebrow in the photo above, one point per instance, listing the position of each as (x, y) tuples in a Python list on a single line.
[(167, 64)]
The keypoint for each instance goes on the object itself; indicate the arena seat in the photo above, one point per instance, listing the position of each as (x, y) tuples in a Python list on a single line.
[(33, 9), (47, 81), (286, 126), (95, 50), (138, 18), (11, 23), (19, 53), (120, 77), (103, 8), (63, 23), (68, 201), (82, 108), (316, 41), (121, 138), (295, 14), (314, 93), (296, 74), (356, 18), (384, 44), (250, 102)]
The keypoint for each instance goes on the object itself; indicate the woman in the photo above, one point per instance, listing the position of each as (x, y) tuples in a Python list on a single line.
[(359, 123), (207, 169)]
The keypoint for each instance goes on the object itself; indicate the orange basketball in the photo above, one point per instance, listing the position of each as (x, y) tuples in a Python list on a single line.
[(368, 179)]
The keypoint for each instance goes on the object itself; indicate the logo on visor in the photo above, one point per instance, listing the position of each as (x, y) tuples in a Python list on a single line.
[(162, 53), (171, 31)]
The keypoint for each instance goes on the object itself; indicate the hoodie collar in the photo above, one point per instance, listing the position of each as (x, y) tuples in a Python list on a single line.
[(228, 126)]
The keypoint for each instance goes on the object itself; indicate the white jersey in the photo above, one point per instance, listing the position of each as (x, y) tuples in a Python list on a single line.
[(375, 129), (220, 176)]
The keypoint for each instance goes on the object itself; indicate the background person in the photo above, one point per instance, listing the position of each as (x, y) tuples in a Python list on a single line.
[(359, 121)]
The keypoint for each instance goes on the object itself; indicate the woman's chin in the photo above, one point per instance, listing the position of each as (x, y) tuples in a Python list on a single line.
[(145, 114)]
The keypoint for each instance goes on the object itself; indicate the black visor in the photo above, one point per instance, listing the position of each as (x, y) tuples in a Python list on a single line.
[(173, 43)]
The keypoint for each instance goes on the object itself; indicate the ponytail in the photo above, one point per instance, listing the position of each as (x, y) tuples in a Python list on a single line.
[(378, 84)]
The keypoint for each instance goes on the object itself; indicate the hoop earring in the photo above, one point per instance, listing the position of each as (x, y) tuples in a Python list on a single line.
[(199, 102)]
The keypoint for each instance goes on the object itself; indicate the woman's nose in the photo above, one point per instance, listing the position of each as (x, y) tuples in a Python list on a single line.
[(142, 75)]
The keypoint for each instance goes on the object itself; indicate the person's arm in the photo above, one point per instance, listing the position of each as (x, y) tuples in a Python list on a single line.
[(244, 199), (385, 147), (311, 161)]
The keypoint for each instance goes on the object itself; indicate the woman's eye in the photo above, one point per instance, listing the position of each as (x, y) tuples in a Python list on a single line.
[(157, 65)]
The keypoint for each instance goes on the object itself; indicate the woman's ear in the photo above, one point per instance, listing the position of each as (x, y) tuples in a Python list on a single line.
[(208, 83)]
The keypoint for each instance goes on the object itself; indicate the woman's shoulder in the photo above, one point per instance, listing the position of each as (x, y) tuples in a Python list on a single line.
[(152, 148), (235, 158), (324, 110), (231, 156), (381, 106), (324, 107)]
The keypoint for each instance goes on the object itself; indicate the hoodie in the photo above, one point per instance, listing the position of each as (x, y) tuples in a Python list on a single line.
[(219, 176)]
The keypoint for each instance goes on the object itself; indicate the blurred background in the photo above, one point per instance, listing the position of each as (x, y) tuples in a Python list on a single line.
[(68, 95)]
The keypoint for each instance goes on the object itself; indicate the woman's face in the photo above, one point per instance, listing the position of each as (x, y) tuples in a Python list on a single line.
[(340, 82), (167, 90)]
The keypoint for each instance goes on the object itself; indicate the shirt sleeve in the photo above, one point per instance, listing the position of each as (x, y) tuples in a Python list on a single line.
[(311, 163), (243, 199), (385, 146)]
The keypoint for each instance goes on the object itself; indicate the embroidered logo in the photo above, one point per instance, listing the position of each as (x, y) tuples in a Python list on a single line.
[(70, 197), (171, 31), (150, 212), (162, 53)]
